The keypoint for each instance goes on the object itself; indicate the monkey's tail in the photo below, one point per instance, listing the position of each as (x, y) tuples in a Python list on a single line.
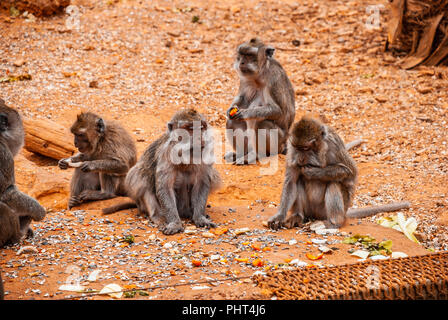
[(354, 144), (370, 211), (119, 207)]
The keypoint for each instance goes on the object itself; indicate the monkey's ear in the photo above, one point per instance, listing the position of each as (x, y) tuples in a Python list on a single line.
[(3, 122), (100, 126), (269, 52), (324, 131)]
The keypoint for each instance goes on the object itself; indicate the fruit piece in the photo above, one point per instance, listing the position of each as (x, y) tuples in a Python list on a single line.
[(233, 111), (196, 263), (257, 263), (313, 257), (220, 231)]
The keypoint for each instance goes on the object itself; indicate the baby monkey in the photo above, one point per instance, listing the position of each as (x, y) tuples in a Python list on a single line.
[(106, 153), (320, 179), (173, 179)]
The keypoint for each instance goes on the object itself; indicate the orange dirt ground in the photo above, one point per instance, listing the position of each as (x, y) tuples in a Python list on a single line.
[(149, 59)]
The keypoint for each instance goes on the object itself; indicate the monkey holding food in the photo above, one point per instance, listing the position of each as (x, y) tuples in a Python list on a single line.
[(264, 105), (168, 190), (106, 153), (17, 209), (320, 179)]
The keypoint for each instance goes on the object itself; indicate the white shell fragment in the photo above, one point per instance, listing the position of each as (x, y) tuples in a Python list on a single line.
[(241, 231), (200, 287), (379, 257), (93, 276), (398, 254), (71, 287), (298, 263), (27, 249), (113, 290), (208, 235), (363, 254), (317, 225), (318, 241), (326, 231), (324, 249)]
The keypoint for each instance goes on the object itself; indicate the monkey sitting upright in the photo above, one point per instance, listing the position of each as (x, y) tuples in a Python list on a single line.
[(264, 105), (320, 179), (17, 209), (170, 188), (106, 153)]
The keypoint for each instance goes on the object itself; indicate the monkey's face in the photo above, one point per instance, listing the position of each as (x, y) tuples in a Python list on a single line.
[(247, 63), (306, 153), (82, 142), (87, 131), (252, 58), (189, 133)]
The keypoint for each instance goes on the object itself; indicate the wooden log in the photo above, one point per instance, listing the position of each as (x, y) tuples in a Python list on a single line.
[(48, 138)]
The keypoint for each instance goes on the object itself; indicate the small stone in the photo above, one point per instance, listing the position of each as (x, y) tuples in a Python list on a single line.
[(18, 63)]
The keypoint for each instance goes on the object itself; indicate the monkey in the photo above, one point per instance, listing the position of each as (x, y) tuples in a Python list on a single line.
[(17, 209), (265, 100), (167, 189), (320, 179), (106, 153)]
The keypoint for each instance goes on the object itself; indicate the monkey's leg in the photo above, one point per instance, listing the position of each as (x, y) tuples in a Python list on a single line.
[(334, 206), (149, 204), (109, 186), (82, 181), (268, 129), (9, 226), (199, 196), (289, 197), (239, 143), (183, 202), (297, 216), (23, 205), (167, 200), (141, 207)]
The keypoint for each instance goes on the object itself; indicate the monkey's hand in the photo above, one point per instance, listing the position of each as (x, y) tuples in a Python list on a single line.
[(202, 221), (63, 164), (310, 172), (336, 172), (172, 228), (241, 114), (88, 166), (276, 221), (73, 202)]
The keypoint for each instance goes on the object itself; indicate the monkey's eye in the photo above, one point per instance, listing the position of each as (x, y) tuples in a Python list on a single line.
[(303, 148)]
